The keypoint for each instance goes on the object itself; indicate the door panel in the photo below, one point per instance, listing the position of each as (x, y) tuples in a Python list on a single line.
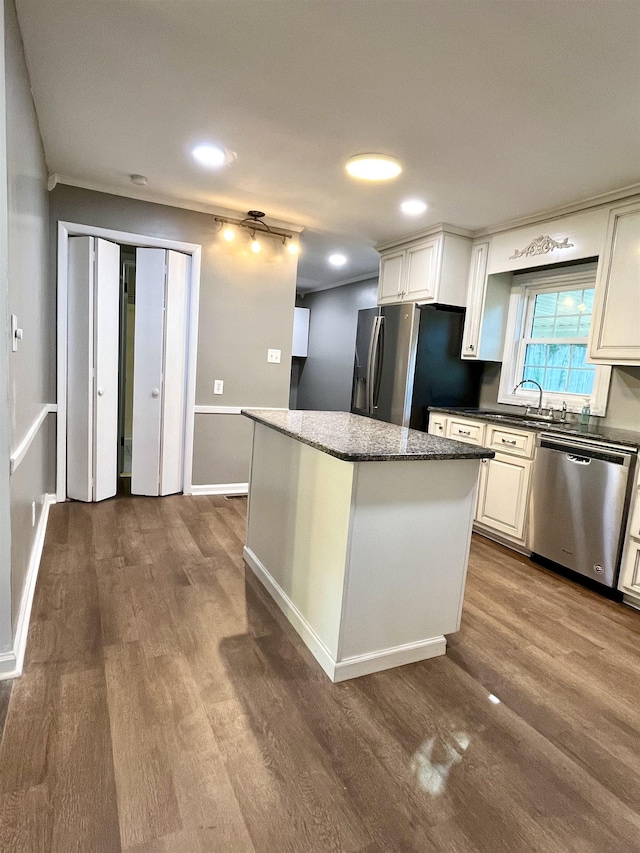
[(147, 371), (173, 395), (504, 488), (80, 369), (106, 340)]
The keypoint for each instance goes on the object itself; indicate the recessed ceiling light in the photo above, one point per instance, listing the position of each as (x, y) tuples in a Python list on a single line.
[(337, 260), (373, 167), (413, 207), (212, 156)]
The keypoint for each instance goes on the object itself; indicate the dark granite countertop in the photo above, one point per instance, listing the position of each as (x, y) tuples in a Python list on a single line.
[(593, 431), (354, 438)]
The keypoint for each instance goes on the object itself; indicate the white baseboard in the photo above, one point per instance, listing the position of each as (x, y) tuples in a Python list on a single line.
[(349, 667), (221, 489), (11, 662), (313, 642)]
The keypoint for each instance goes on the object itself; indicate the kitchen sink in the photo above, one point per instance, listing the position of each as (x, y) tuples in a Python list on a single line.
[(526, 420)]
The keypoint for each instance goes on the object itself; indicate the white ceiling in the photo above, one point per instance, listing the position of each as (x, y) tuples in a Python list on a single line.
[(497, 108)]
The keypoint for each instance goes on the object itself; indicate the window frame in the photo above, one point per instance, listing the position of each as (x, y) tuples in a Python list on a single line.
[(525, 288)]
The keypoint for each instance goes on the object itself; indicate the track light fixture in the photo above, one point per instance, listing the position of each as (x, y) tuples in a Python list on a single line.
[(255, 225)]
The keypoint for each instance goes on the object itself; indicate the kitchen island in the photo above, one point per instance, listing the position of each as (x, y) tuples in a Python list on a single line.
[(360, 531)]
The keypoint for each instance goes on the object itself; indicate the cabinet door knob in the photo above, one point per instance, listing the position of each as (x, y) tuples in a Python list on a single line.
[(155, 392), (100, 392), (471, 347)]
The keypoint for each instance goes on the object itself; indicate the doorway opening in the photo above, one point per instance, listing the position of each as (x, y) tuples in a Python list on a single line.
[(126, 363), (127, 327)]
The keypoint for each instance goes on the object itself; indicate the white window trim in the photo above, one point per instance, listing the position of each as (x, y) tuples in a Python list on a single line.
[(578, 276)]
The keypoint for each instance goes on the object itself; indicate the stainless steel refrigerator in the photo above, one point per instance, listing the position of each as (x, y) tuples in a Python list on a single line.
[(408, 358)]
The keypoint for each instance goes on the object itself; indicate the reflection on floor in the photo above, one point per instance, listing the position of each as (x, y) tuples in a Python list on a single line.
[(166, 706)]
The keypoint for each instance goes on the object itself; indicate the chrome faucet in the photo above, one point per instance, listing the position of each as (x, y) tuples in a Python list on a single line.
[(533, 382)]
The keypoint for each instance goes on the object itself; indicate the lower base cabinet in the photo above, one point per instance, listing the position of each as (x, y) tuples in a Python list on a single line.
[(503, 492), (504, 481)]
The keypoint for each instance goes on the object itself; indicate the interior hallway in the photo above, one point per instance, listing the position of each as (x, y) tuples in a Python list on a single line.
[(165, 706)]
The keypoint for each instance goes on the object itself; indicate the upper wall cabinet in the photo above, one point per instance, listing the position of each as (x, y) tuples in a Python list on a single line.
[(300, 344), (487, 308), (434, 268), (615, 329)]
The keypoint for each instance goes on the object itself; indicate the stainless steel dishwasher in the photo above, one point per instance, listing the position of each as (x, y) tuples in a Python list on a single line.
[(580, 499)]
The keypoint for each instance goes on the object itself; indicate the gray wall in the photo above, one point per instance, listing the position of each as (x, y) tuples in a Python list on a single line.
[(30, 297), (623, 407), (246, 307), (324, 382)]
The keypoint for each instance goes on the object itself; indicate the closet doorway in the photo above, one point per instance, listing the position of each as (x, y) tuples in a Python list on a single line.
[(127, 325)]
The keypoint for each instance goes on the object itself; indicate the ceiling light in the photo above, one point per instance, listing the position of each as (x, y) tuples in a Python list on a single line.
[(255, 224), (413, 207), (337, 260), (138, 180), (212, 156), (373, 167)]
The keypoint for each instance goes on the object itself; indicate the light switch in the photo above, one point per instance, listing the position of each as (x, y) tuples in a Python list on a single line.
[(273, 356), (218, 386)]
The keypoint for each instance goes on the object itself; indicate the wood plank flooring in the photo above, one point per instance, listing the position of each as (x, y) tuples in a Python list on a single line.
[(166, 707)]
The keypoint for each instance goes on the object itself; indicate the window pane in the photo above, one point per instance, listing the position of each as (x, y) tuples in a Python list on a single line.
[(535, 354), (587, 299), (542, 327), (578, 355), (568, 301), (558, 355), (566, 327), (581, 381), (585, 322), (545, 305), (555, 379), (536, 373)]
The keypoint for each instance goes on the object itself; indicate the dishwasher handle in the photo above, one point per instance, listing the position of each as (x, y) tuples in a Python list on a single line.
[(579, 460), (582, 454)]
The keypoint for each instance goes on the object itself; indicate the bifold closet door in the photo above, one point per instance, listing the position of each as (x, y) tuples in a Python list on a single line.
[(93, 298), (159, 372)]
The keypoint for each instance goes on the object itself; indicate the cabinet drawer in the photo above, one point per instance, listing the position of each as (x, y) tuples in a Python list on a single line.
[(437, 425), (509, 440), (470, 431)]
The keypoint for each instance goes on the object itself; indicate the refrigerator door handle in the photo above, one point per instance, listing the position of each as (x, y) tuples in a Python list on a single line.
[(378, 357), (370, 366)]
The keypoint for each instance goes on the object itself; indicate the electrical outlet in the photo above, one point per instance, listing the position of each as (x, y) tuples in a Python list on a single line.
[(218, 386), (33, 513), (273, 356)]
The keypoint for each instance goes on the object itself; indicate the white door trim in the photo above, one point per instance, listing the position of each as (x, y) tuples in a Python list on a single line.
[(72, 229)]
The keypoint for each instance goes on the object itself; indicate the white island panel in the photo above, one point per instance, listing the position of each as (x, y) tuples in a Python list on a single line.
[(298, 529), (410, 537)]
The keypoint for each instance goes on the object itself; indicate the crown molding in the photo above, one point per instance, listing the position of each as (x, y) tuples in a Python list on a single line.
[(553, 213), (144, 194), (440, 228), (329, 286)]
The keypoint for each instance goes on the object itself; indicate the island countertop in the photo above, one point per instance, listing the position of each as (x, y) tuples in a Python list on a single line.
[(354, 438)]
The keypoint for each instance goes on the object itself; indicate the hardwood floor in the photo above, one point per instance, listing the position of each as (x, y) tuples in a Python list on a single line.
[(166, 707)]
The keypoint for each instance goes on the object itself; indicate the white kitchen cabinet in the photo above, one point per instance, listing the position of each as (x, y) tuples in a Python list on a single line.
[(437, 424), (615, 328), (461, 429), (503, 495), (432, 268), (629, 582), (487, 309), (300, 344)]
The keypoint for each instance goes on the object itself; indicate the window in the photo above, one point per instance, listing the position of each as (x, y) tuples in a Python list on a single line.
[(550, 318)]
